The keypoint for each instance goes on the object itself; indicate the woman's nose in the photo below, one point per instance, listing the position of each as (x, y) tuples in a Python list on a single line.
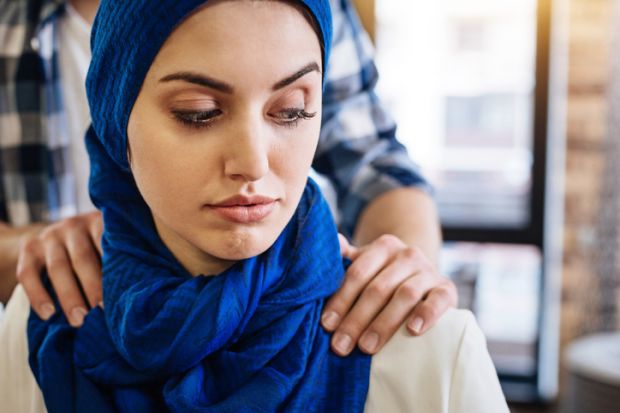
[(248, 154)]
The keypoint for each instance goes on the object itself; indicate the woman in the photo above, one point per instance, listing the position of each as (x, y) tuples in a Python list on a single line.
[(218, 253)]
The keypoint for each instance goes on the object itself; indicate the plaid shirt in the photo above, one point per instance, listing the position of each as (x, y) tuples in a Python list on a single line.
[(358, 151)]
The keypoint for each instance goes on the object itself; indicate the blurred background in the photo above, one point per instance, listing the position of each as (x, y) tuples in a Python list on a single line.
[(512, 109)]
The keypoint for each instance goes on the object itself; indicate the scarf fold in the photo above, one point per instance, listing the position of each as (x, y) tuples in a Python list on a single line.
[(246, 340)]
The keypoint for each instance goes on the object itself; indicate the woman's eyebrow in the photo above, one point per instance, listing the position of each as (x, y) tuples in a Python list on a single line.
[(310, 67), (199, 79), (206, 81)]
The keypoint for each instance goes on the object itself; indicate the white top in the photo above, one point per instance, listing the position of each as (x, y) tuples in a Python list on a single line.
[(448, 369), (73, 58)]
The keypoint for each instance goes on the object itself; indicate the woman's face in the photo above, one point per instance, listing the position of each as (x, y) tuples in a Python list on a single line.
[(223, 132)]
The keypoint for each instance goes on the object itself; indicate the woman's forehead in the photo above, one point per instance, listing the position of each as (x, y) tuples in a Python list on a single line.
[(237, 40), (242, 21)]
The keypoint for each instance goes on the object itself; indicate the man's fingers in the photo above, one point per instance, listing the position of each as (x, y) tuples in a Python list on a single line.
[(346, 249), (426, 313), (367, 264), (29, 268), (86, 266), (372, 300), (387, 282), (69, 250), (95, 229), (344, 244), (408, 294), (64, 282)]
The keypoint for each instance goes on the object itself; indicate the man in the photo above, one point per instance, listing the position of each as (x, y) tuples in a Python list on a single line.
[(46, 221)]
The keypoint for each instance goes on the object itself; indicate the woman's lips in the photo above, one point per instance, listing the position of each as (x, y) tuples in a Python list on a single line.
[(244, 210)]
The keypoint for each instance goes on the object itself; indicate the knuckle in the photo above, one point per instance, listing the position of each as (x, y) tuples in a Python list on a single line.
[(387, 241), (61, 227), (409, 293), (355, 275), (378, 290), (93, 217), (449, 293), (81, 253), (50, 234), (56, 265), (430, 312), (341, 303), (442, 294), (28, 245), (72, 223), (409, 254)]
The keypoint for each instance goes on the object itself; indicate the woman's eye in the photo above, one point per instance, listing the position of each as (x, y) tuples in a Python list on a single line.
[(196, 119), (291, 117)]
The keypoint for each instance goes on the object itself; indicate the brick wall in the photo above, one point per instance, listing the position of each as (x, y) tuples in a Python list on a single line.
[(589, 48)]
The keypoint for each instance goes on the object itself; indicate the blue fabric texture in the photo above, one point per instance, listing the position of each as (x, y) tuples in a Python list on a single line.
[(246, 340)]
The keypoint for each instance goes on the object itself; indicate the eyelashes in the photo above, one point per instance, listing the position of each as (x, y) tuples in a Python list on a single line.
[(289, 117), (196, 119)]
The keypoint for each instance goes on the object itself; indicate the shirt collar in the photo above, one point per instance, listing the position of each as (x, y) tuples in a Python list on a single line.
[(49, 12)]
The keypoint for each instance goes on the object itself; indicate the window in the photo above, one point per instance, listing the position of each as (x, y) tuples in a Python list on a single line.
[(466, 82), (459, 76)]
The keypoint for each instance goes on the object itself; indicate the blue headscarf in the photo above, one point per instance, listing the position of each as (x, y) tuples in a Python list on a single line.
[(246, 340)]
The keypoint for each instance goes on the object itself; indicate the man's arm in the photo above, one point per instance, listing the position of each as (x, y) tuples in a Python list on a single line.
[(408, 213), (383, 202), (411, 216)]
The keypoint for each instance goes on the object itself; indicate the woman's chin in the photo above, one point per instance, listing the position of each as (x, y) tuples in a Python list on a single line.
[(241, 248)]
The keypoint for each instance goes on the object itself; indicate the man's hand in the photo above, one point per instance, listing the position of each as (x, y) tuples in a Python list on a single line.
[(387, 283), (70, 250)]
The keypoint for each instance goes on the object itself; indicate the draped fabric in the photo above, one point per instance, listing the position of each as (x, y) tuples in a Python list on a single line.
[(245, 340)]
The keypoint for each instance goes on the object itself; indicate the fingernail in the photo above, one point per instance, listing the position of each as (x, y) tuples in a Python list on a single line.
[(369, 342), (330, 320), (47, 310), (78, 314), (342, 342), (416, 325), (100, 304)]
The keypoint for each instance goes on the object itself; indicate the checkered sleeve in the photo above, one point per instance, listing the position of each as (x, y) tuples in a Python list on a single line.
[(358, 150), (35, 182)]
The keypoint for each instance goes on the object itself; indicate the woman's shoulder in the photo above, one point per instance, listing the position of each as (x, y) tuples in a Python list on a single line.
[(434, 353), (448, 369), (445, 336), (438, 345)]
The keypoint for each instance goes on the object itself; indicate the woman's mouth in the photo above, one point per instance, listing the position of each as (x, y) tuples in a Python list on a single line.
[(244, 209)]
